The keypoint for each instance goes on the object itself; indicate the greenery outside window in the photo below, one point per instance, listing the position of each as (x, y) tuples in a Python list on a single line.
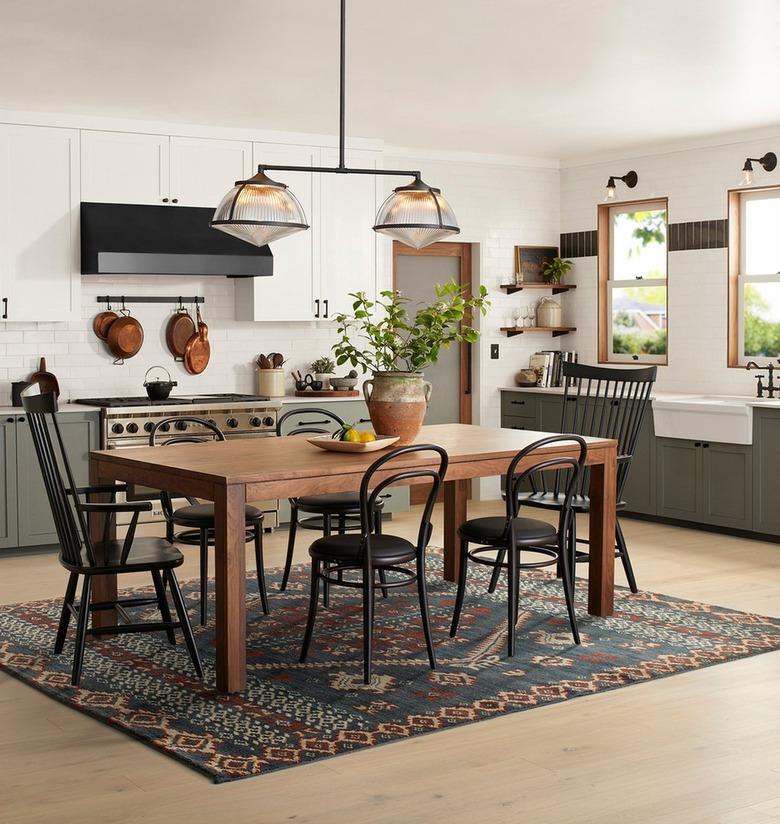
[(633, 282)]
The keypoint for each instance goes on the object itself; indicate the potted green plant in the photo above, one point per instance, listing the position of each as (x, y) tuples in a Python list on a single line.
[(324, 369), (554, 271), (396, 342)]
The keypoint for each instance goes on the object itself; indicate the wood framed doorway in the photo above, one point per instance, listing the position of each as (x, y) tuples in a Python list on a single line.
[(415, 271)]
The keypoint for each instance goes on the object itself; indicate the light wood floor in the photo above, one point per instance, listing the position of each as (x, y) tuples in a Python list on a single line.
[(698, 747)]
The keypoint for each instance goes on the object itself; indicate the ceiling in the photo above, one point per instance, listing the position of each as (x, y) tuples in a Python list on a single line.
[(545, 78)]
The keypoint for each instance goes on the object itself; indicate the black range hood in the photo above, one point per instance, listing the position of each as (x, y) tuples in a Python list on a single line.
[(125, 239)]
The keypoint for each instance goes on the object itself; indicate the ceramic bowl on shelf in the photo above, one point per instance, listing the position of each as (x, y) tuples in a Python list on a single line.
[(326, 442)]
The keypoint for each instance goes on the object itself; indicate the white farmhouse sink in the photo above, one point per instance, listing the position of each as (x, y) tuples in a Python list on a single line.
[(721, 418)]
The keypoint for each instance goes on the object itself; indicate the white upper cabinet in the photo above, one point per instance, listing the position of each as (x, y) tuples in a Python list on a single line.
[(39, 240), (348, 205), (121, 167), (204, 170), (289, 295)]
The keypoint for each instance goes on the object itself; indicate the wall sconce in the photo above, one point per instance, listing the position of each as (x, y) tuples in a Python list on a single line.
[(768, 163), (629, 178)]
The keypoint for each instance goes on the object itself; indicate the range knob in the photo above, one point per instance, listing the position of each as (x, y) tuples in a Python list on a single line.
[(117, 429), (255, 421), (181, 425), (132, 427), (148, 426), (165, 427), (232, 423), (268, 421)]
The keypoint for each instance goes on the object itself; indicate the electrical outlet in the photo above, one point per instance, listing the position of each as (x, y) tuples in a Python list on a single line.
[(493, 351)]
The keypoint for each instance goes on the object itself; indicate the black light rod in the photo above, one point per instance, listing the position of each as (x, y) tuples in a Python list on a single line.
[(336, 170)]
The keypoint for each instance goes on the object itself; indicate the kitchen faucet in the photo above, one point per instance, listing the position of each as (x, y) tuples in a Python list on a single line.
[(771, 388)]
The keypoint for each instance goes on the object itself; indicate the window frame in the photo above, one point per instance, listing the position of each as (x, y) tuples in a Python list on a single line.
[(736, 358), (606, 284)]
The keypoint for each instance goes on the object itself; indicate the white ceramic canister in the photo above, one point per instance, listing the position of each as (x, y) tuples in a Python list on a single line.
[(548, 313), (270, 382)]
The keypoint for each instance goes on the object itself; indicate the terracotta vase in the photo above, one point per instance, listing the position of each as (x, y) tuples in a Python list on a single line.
[(397, 403)]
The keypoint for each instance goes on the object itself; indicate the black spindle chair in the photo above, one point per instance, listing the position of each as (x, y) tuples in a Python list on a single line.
[(199, 518), (341, 507), (84, 558), (600, 402), (344, 555), (514, 534)]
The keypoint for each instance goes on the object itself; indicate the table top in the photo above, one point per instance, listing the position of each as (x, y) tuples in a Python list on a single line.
[(244, 460)]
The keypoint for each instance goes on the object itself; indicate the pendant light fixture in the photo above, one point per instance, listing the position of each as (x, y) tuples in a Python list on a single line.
[(261, 210)]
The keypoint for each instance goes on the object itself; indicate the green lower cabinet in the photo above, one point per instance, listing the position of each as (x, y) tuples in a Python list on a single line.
[(639, 493), (8, 515), (679, 479), (766, 471)]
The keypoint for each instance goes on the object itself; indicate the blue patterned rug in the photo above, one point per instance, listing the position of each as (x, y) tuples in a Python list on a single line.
[(292, 714)]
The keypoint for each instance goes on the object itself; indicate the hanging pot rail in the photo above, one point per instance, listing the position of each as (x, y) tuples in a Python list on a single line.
[(148, 299)]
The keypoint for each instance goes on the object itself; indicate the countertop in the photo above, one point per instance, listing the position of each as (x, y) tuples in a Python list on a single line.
[(63, 407), (290, 399), (746, 400)]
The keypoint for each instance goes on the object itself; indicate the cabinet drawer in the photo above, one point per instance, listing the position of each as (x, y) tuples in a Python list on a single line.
[(517, 422), (349, 411), (519, 404)]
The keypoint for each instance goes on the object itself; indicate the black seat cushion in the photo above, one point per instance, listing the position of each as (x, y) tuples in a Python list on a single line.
[(552, 500), (202, 515), (493, 529), (145, 554), (385, 549)]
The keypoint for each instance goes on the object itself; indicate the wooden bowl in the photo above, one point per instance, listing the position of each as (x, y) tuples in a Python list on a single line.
[(326, 442)]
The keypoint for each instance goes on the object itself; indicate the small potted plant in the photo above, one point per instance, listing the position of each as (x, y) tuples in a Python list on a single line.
[(324, 369), (395, 342), (554, 271)]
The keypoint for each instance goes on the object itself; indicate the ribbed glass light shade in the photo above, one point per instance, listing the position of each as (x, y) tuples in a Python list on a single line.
[(417, 215), (259, 211)]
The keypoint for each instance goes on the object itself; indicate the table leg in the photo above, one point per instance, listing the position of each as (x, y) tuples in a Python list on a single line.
[(455, 497), (104, 587), (230, 570), (601, 569)]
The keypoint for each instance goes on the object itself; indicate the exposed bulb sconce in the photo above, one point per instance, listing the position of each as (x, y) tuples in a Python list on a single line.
[(629, 178), (768, 163)]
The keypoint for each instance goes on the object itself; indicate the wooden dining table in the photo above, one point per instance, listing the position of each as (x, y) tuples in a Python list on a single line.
[(232, 472)]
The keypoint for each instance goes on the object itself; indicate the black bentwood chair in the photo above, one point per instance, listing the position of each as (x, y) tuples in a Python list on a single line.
[(514, 534), (341, 507), (199, 518), (81, 557), (336, 557), (599, 402)]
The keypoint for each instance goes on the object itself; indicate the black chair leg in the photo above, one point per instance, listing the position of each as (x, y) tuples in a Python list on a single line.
[(383, 580), (314, 597), (368, 622), (424, 611), (260, 567), (464, 561), (497, 571), (184, 620), (62, 630), (290, 546), (326, 532), (512, 600), (81, 629), (572, 549), (162, 603), (624, 557), (204, 575), (568, 588)]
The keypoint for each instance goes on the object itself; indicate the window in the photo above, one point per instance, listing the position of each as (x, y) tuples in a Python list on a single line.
[(632, 282), (754, 275)]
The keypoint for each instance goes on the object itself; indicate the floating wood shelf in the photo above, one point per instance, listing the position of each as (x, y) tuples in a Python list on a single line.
[(556, 331), (557, 288)]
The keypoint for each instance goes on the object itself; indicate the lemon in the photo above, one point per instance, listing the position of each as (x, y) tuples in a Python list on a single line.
[(351, 435), (367, 437)]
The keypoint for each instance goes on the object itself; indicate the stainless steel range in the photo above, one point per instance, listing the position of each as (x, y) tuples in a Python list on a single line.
[(127, 422)]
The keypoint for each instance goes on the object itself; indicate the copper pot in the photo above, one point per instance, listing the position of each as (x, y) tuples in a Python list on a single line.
[(125, 337)]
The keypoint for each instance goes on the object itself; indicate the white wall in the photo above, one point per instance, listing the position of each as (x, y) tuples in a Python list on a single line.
[(695, 182)]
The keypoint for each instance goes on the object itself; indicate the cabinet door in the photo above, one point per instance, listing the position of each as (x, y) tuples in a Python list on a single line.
[(766, 471), (639, 490), (8, 530), (122, 167), (288, 295), (80, 431), (347, 241), (679, 479), (203, 171), (728, 485), (39, 241), (550, 409)]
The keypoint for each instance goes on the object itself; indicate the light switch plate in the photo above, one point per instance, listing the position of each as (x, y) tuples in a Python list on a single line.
[(494, 351)]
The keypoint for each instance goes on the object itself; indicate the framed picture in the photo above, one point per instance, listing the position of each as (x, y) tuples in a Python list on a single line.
[(530, 262)]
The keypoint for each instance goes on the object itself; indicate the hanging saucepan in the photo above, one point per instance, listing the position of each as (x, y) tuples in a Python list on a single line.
[(125, 337), (101, 323), (179, 330), (198, 349), (158, 390)]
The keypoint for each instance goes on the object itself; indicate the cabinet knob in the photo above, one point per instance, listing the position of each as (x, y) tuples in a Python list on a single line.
[(165, 200), (175, 200), (9, 420), (20, 419)]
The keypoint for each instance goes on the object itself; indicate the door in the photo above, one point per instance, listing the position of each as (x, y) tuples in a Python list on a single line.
[(679, 479), (40, 276), (347, 241), (121, 167), (8, 530), (81, 433), (728, 485), (289, 294), (203, 171)]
